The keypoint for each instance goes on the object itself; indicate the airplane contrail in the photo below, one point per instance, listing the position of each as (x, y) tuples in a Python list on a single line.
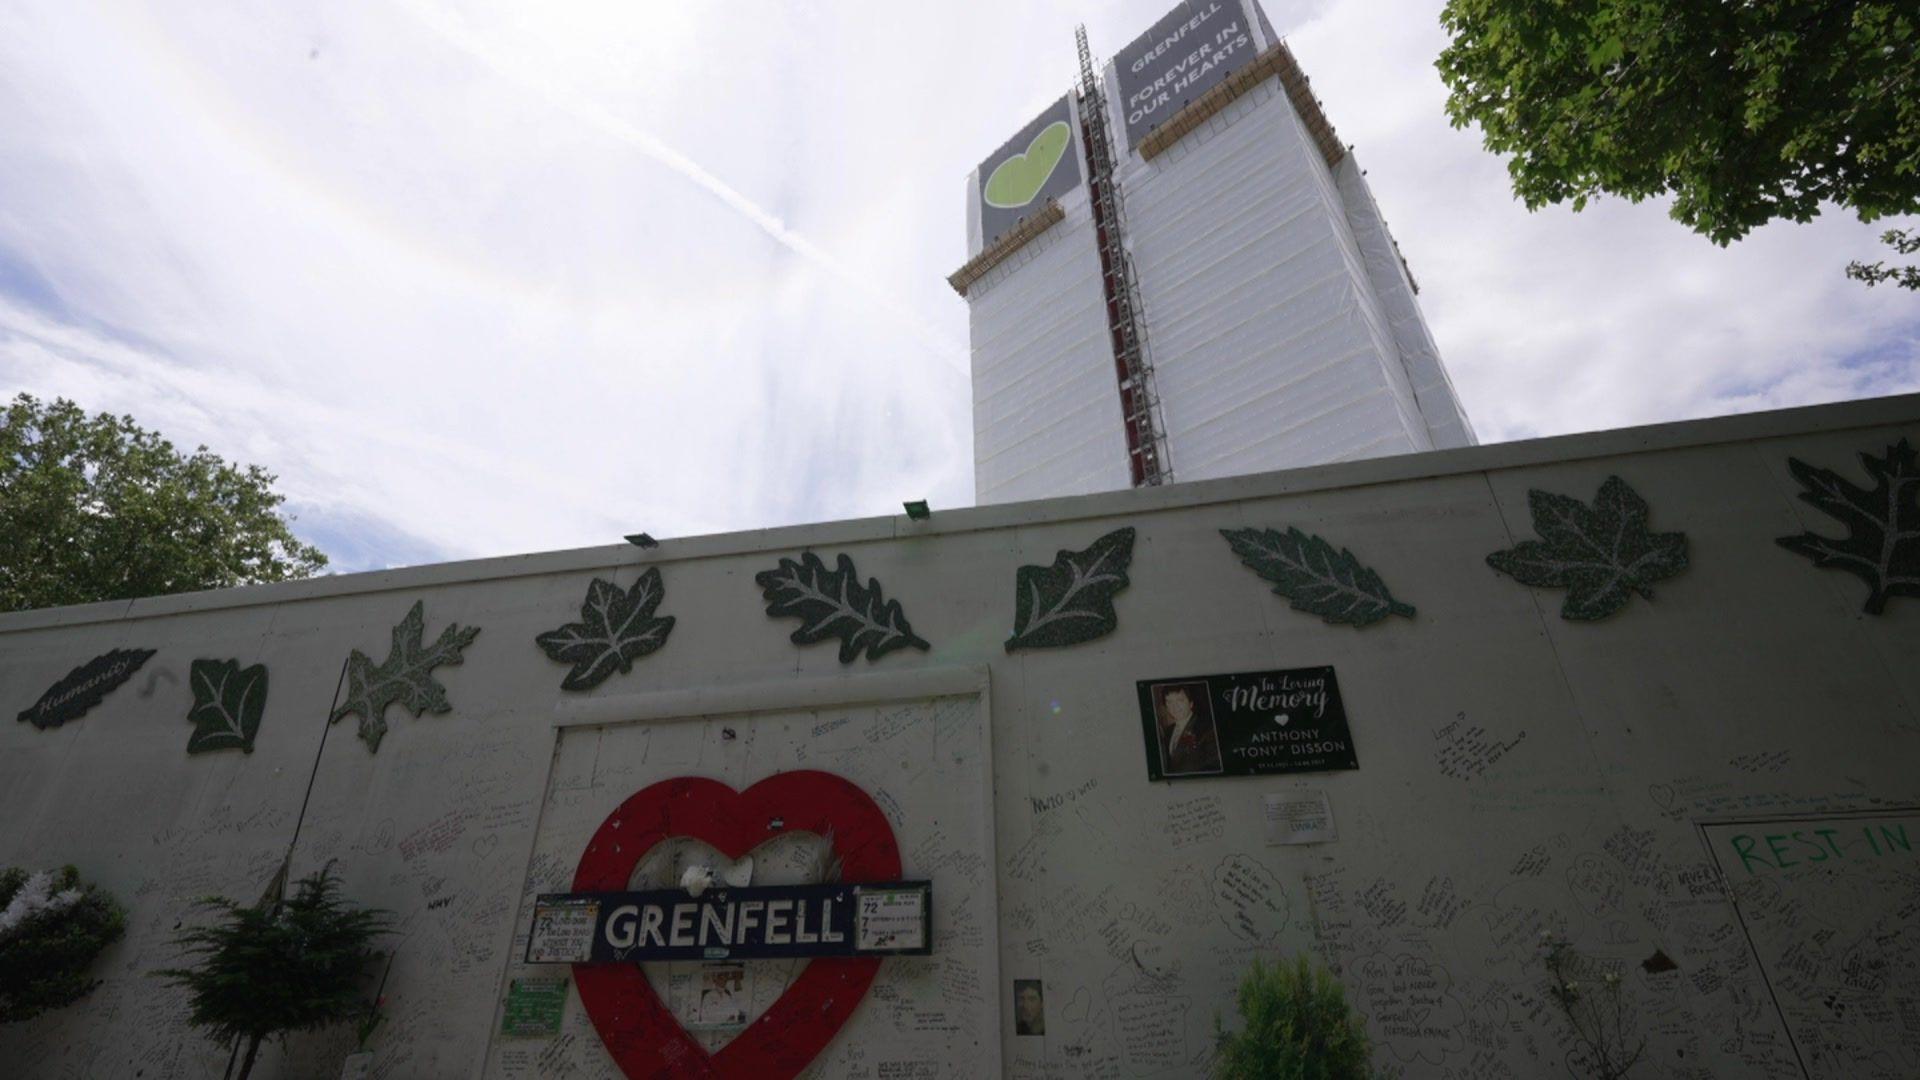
[(453, 31)]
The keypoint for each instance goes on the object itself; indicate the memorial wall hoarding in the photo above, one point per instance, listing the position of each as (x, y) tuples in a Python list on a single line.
[(1041, 162), (1188, 52)]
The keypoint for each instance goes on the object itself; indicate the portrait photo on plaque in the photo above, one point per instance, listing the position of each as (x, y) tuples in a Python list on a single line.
[(1189, 742)]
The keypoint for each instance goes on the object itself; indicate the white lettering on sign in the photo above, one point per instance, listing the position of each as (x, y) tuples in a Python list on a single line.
[(682, 932), (1173, 39), (778, 912), (710, 919), (621, 926)]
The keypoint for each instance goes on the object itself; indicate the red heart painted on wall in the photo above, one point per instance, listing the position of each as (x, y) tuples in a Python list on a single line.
[(639, 1032)]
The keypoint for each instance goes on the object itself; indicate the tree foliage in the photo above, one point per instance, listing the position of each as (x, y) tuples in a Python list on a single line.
[(51, 928), (1903, 241), (293, 965), (1296, 1026), (98, 508), (1744, 113)]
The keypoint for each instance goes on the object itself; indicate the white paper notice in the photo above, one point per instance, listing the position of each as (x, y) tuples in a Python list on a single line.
[(1299, 817), (562, 933), (890, 920)]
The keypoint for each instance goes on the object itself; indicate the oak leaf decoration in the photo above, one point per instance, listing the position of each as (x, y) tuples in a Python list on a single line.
[(833, 604), (1882, 545), (405, 676)]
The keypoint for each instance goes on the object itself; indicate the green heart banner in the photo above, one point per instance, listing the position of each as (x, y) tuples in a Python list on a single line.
[(1019, 178), (1040, 162)]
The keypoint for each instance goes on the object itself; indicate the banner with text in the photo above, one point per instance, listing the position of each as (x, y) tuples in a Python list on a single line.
[(1188, 52), (1251, 724), (879, 919)]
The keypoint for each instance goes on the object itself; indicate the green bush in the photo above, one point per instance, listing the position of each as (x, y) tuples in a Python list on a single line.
[(280, 966), (1296, 1026), (51, 928)]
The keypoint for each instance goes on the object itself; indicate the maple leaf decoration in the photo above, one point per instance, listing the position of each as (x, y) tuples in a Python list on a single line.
[(1600, 554), (227, 704), (1072, 600), (1882, 547), (405, 677), (615, 629), (1317, 579), (833, 604)]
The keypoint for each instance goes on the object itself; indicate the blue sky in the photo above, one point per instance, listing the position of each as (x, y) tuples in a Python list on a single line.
[(482, 278)]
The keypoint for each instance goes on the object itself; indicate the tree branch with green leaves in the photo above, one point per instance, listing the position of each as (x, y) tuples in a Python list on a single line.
[(1741, 113)]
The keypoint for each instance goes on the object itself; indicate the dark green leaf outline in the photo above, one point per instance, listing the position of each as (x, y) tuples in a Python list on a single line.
[(1315, 577), (1071, 601)]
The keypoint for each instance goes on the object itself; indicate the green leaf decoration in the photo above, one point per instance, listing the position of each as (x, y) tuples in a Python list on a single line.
[(615, 629), (833, 604), (84, 687), (228, 701), (1600, 554), (1317, 579), (1072, 600), (1882, 546), (405, 677)]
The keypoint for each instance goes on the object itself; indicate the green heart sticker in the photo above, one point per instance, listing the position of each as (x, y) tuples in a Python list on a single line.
[(1018, 179)]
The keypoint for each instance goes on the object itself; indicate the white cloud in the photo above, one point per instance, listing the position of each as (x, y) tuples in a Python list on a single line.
[(486, 277)]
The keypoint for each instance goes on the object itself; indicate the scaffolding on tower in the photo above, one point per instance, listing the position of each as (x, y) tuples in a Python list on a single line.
[(1139, 405)]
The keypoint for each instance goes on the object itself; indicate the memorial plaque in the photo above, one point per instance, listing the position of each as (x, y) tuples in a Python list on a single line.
[(1251, 724)]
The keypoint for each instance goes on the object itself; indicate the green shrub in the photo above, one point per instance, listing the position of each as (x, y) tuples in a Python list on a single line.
[(287, 965), (51, 928), (1296, 1026)]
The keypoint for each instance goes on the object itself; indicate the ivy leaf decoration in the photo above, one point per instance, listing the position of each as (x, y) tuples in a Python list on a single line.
[(405, 677), (1600, 554), (1319, 580), (228, 701), (833, 603), (1882, 547), (1072, 600), (615, 629), (84, 687)]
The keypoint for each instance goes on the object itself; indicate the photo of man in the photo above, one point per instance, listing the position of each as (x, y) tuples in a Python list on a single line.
[(1029, 1008), (1188, 742), (722, 1004)]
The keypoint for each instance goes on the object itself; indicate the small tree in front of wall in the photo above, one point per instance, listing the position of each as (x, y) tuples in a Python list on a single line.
[(1297, 1026), (51, 928), (290, 965)]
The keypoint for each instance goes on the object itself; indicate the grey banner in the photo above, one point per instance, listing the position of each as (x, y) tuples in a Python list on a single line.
[(1039, 163), (1189, 51)]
